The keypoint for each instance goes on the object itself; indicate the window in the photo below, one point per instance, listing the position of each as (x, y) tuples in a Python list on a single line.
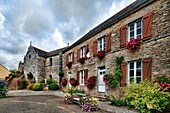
[(70, 57), (29, 56), (81, 77), (135, 72), (135, 30), (102, 43), (50, 61), (82, 51)]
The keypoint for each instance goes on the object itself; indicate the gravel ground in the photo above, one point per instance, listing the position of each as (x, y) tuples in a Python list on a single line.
[(54, 98), (38, 104)]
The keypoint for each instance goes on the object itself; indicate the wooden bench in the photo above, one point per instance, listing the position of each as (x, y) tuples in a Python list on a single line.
[(101, 98), (77, 99)]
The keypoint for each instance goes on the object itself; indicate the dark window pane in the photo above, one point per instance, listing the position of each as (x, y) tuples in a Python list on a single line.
[(131, 34), (139, 31), (138, 79), (138, 64), (131, 79), (132, 27), (138, 72), (131, 73), (138, 24), (131, 65)]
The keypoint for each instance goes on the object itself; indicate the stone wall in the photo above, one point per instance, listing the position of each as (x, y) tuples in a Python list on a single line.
[(158, 47), (30, 63)]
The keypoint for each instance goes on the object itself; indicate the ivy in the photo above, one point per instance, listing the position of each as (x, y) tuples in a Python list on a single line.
[(112, 80)]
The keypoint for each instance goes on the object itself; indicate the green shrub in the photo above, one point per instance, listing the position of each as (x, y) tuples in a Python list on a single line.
[(146, 97), (42, 80), (53, 86), (49, 81), (37, 87), (3, 89)]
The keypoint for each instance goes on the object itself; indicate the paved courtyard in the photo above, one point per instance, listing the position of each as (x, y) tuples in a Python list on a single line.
[(38, 104)]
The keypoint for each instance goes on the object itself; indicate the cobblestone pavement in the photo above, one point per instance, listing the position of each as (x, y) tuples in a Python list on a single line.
[(20, 94), (38, 104)]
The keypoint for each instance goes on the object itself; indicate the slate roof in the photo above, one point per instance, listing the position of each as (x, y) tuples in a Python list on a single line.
[(45, 54), (135, 6)]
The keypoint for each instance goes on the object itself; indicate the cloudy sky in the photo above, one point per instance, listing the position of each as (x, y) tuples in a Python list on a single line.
[(49, 24)]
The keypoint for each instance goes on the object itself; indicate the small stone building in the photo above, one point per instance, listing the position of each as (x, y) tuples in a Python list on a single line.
[(42, 64), (148, 20)]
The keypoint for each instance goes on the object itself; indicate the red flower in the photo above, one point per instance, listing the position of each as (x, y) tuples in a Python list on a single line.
[(69, 64), (81, 60), (168, 85), (133, 45), (91, 82), (100, 54)]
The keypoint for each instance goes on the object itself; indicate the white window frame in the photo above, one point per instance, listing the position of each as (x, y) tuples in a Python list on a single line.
[(82, 52), (70, 57), (81, 77), (101, 43), (135, 30), (135, 70)]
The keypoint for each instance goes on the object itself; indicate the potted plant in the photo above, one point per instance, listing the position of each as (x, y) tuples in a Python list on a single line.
[(133, 45), (81, 60), (90, 83), (69, 64), (73, 82), (64, 82), (100, 54), (61, 73)]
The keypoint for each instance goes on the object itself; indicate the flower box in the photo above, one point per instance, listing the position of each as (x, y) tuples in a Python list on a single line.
[(101, 54), (69, 64), (81, 60), (133, 45)]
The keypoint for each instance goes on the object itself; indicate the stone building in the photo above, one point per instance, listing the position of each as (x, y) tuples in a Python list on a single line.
[(3, 72), (42, 64), (148, 20)]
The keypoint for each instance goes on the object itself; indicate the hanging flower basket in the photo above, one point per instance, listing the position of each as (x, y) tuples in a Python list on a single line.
[(69, 64), (81, 60), (91, 82), (133, 45), (73, 82), (100, 54)]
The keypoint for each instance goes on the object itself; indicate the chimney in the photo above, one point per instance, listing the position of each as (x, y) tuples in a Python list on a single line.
[(67, 44)]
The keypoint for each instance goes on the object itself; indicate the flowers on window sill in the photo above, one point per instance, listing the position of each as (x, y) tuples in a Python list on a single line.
[(69, 64), (133, 45), (101, 54), (91, 82), (73, 82), (81, 60)]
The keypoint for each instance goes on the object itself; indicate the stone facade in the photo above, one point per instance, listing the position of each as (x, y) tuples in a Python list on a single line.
[(155, 49), (42, 64)]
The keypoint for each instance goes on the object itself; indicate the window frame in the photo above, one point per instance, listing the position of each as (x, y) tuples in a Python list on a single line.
[(82, 52), (135, 71), (70, 57), (82, 77), (135, 29), (101, 43)]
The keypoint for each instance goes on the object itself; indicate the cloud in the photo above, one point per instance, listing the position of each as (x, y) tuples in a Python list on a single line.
[(49, 24), (58, 38)]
